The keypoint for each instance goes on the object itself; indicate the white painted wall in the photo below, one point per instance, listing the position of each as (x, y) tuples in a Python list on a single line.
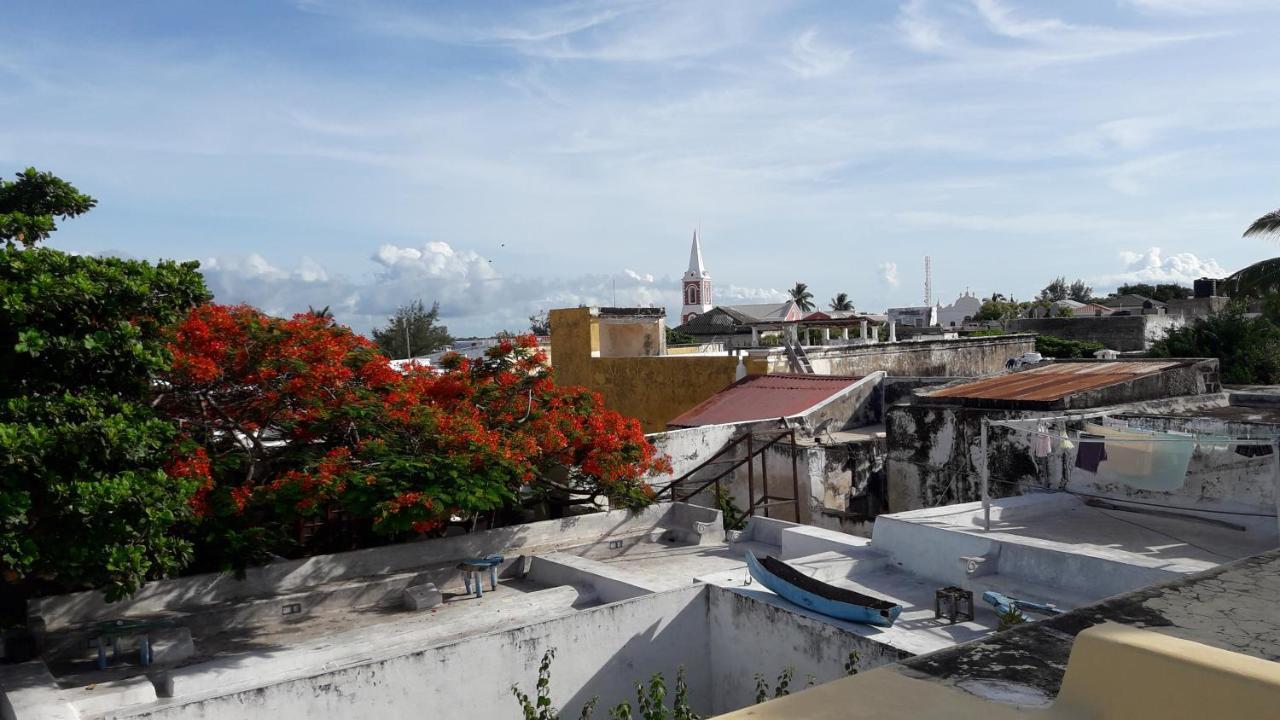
[(721, 637), (750, 636)]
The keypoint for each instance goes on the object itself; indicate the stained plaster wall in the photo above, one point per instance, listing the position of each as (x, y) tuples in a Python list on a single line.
[(1116, 332), (828, 475), (934, 451), (962, 357)]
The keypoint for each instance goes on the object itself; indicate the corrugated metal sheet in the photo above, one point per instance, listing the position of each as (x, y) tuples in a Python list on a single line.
[(762, 397), (1053, 382)]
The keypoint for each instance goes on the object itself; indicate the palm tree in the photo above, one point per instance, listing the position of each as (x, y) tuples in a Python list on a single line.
[(1263, 277), (323, 313), (1265, 225), (801, 295), (841, 303)]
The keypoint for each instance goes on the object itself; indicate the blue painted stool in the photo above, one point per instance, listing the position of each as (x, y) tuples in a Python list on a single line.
[(473, 573), (110, 631)]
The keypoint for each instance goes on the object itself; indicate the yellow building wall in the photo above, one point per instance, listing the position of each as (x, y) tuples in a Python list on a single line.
[(653, 390)]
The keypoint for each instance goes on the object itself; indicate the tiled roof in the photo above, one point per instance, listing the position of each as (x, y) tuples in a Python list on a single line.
[(763, 397)]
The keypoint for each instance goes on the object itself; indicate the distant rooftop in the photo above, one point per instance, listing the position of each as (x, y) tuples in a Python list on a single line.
[(764, 397), (1054, 382)]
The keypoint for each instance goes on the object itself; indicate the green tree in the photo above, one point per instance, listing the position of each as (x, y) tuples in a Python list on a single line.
[(1258, 280), (85, 501), (1056, 347), (1247, 348), (1268, 224), (677, 337), (801, 295), (1162, 292), (29, 205), (841, 303), (540, 323), (413, 332), (1080, 292), (1056, 290), (996, 310)]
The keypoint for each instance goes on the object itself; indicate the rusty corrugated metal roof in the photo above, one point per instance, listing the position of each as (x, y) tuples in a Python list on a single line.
[(763, 397), (1053, 382)]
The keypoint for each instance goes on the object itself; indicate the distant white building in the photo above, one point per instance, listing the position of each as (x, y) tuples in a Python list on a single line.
[(959, 312), (921, 316)]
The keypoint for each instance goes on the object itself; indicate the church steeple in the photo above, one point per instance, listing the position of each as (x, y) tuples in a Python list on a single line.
[(696, 287), (696, 268)]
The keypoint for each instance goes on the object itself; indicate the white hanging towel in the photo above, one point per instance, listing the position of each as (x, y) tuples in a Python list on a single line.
[(1134, 460)]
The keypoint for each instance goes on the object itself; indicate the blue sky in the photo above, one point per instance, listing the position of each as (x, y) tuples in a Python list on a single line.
[(507, 157)]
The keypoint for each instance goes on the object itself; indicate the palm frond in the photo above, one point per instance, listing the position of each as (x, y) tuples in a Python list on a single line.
[(1266, 225), (1260, 278)]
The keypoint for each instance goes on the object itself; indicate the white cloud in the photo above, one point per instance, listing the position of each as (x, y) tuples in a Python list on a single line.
[(473, 297), (1153, 266), (889, 273)]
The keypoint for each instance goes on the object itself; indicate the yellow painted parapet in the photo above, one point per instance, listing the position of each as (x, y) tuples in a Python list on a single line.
[(1116, 672), (624, 362)]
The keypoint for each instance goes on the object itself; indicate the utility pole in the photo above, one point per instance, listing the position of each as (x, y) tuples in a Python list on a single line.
[(408, 349)]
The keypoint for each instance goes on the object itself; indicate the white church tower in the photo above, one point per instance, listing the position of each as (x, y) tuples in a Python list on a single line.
[(696, 285)]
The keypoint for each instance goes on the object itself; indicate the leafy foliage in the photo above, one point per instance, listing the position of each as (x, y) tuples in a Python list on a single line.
[(1163, 292), (841, 303), (85, 501), (413, 332), (801, 295), (540, 323), (732, 516), (1080, 292), (1266, 225), (1247, 348), (1255, 281), (302, 419), (1056, 347), (1058, 290), (676, 337), (29, 205), (997, 309)]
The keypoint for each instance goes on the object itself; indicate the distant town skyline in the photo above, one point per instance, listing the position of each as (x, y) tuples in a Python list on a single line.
[(503, 158)]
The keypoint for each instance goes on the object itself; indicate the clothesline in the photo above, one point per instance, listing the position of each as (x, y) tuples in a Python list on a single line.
[(1172, 436)]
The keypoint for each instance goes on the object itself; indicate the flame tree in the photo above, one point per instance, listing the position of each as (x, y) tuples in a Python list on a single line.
[(289, 420)]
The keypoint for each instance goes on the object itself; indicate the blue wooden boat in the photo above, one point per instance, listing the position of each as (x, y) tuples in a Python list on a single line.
[(808, 592)]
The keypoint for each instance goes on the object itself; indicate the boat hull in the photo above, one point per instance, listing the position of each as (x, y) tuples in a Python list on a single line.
[(884, 616)]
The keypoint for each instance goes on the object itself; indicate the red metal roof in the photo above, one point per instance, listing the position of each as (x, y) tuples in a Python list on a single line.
[(764, 397), (1053, 382)]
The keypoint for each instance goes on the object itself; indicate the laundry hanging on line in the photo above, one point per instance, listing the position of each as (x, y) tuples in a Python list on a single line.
[(1145, 460)]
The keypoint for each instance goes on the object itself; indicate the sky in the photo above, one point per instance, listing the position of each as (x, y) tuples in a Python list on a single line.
[(506, 157)]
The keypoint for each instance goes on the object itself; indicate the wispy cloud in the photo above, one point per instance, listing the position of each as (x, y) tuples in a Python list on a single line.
[(888, 273)]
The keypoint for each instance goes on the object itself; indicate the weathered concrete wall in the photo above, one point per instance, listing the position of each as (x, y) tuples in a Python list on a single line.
[(720, 637), (933, 456), (751, 636), (294, 575), (962, 357), (602, 652), (1123, 333)]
